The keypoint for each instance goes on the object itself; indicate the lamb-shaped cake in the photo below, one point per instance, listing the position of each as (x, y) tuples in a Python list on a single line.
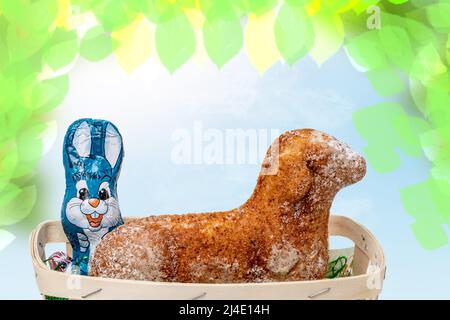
[(279, 234)]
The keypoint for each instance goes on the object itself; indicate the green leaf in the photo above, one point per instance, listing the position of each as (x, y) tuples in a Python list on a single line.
[(397, 46), (42, 97), (435, 100), (298, 3), (14, 11), (224, 9), (22, 44), (366, 51), (96, 44), (62, 49), (419, 201), (333, 6), (9, 159), (87, 5), (187, 4), (260, 7), (428, 66), (17, 117), (386, 81), (409, 129), (8, 94), (116, 14), (32, 16), (8, 193), (29, 146), (175, 42), (294, 33), (398, 1), (223, 39), (159, 11), (329, 36), (240, 7), (387, 127), (41, 15), (4, 55), (420, 33), (24, 70), (382, 159), (362, 5), (447, 55), (15, 210), (438, 15)]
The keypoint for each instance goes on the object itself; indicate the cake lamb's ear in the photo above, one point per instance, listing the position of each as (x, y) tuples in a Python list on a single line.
[(113, 146)]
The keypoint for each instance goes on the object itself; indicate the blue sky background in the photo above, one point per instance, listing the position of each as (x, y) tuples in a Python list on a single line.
[(150, 104)]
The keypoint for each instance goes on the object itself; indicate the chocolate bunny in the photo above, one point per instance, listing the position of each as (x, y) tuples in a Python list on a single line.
[(92, 156)]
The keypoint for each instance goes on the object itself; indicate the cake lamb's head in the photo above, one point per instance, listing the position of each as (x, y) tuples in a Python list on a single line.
[(307, 161)]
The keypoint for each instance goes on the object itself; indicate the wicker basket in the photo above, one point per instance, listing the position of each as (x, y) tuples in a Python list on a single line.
[(365, 283)]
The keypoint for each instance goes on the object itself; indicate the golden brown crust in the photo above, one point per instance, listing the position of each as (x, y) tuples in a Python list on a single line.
[(279, 234)]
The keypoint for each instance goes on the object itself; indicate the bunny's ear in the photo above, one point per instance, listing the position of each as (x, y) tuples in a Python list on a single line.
[(82, 140), (113, 145)]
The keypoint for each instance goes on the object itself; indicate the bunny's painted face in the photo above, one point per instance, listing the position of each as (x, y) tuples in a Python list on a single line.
[(93, 155), (95, 205)]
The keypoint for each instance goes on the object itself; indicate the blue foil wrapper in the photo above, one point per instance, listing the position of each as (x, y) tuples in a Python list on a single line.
[(92, 156)]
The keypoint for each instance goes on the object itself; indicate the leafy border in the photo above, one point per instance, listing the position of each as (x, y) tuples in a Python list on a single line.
[(407, 49)]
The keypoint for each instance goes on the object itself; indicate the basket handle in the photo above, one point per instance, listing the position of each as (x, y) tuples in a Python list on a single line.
[(367, 248)]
